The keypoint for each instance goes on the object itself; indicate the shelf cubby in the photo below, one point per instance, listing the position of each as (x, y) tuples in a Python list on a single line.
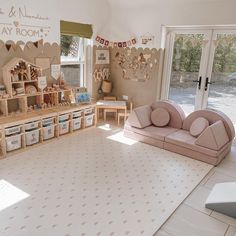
[(50, 98), (16, 105), (64, 96), (3, 108), (34, 101)]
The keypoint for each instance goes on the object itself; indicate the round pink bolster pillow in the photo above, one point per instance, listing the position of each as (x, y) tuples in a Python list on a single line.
[(198, 126), (160, 117)]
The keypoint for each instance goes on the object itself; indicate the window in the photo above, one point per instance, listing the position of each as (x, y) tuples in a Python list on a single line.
[(73, 54)]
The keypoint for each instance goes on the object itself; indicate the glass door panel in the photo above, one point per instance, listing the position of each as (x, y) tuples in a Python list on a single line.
[(222, 87), (186, 63)]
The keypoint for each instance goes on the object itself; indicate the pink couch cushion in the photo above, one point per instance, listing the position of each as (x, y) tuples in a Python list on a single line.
[(160, 117), (214, 137), (184, 139), (140, 117), (176, 113), (152, 131), (212, 116), (198, 126)]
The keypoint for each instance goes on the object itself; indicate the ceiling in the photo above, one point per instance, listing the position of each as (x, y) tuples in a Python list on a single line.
[(152, 3)]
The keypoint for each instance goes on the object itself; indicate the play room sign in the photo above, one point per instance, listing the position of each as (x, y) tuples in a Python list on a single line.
[(22, 22)]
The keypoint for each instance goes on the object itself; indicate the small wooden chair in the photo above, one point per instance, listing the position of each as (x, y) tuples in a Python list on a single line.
[(122, 113), (109, 110)]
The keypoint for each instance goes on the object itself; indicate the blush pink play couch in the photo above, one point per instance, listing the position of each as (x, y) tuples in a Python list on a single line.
[(211, 146)]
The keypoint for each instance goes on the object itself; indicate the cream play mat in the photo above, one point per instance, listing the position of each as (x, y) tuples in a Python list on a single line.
[(95, 183)]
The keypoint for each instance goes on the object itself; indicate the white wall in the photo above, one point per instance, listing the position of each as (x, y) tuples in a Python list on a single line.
[(116, 23), (125, 23), (92, 12), (28, 20), (15, 26)]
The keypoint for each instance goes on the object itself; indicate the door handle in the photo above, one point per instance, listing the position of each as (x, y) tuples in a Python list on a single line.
[(207, 82), (199, 82)]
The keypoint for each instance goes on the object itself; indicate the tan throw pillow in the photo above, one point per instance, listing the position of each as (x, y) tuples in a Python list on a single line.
[(160, 117), (198, 126)]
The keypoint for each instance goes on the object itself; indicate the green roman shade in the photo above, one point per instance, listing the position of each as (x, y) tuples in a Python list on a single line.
[(76, 29)]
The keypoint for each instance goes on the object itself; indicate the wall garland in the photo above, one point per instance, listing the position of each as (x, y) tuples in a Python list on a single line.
[(112, 44), (21, 44)]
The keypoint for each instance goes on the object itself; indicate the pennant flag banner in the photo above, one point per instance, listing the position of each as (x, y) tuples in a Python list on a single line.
[(20, 44), (108, 43), (36, 44), (8, 46)]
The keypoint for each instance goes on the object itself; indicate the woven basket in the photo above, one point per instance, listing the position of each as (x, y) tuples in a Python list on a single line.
[(106, 86)]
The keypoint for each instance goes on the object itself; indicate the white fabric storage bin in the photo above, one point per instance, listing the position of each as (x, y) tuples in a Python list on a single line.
[(89, 120), (64, 117), (47, 121), (13, 142), (12, 130), (77, 114), (64, 127), (48, 132), (88, 111), (32, 137), (31, 125), (77, 123)]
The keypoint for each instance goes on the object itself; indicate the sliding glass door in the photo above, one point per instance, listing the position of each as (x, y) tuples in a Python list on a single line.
[(200, 69)]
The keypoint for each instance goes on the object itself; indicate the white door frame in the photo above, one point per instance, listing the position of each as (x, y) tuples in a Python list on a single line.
[(207, 57), (211, 60)]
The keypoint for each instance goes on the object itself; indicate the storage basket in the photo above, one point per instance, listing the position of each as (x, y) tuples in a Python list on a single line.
[(77, 123), (12, 130), (64, 127), (31, 125), (89, 120), (64, 117), (106, 86), (48, 132), (13, 142), (88, 111), (47, 122), (32, 137), (77, 114)]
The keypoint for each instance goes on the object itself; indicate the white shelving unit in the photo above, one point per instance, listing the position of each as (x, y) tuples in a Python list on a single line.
[(24, 131)]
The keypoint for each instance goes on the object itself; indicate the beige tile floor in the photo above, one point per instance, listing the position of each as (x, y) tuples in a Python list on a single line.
[(192, 218)]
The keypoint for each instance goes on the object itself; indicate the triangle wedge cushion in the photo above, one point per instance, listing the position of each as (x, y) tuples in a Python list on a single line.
[(140, 117), (214, 137)]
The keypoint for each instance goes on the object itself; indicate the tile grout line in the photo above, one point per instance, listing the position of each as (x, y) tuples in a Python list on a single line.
[(209, 175), (198, 210), (226, 230), (220, 219)]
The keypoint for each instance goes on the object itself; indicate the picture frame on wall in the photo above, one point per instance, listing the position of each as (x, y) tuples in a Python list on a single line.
[(102, 57), (147, 39)]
